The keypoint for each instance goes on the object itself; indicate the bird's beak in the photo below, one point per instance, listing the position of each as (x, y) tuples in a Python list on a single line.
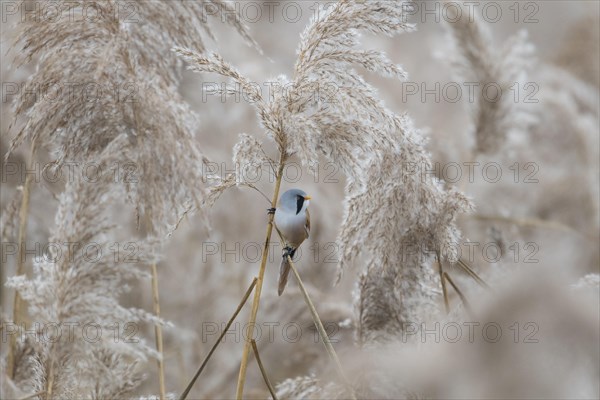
[(307, 197)]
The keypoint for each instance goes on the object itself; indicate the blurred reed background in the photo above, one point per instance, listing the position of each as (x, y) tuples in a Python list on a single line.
[(544, 218)]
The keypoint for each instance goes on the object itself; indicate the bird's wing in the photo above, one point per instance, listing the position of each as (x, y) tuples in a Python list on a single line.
[(307, 225)]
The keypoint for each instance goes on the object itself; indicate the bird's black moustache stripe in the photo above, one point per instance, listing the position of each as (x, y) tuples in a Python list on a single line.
[(299, 203)]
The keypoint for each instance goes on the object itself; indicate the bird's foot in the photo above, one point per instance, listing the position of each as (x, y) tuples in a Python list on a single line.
[(271, 211)]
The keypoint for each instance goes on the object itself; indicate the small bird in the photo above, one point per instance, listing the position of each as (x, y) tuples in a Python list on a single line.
[(293, 221)]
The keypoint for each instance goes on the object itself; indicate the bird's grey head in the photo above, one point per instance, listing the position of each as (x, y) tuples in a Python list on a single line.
[(294, 200)]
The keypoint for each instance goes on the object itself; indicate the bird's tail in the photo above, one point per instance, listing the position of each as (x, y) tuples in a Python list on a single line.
[(284, 270)]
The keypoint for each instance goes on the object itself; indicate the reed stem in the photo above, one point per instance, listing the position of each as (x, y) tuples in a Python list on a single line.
[(263, 371), (321, 329), (158, 333), (443, 281), (461, 295), (223, 332), (261, 273), (22, 238)]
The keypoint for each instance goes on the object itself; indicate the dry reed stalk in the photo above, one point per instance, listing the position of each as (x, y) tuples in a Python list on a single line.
[(22, 238), (155, 296), (443, 282), (50, 384), (460, 294), (224, 331), (262, 370), (473, 274), (321, 329), (158, 333), (31, 396), (261, 273)]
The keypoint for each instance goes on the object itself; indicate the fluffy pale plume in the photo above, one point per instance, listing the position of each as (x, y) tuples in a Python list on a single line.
[(394, 209), (77, 283), (9, 219), (402, 215), (249, 159), (214, 63), (499, 73), (115, 80), (309, 387), (328, 109)]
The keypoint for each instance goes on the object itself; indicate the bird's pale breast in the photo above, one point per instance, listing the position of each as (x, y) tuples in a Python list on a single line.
[(292, 226)]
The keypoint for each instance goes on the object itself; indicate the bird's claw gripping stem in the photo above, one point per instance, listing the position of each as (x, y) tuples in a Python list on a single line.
[(271, 210)]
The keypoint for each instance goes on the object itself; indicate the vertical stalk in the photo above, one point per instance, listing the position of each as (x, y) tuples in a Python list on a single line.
[(22, 238), (155, 297), (158, 333), (158, 338), (50, 376), (261, 273)]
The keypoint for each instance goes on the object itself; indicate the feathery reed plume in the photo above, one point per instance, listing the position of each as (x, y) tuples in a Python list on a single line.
[(397, 219), (309, 387), (76, 290), (500, 74), (387, 205), (556, 102), (115, 80), (124, 92), (9, 222)]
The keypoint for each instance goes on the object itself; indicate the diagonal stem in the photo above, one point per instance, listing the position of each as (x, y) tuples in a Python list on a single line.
[(31, 396), (443, 281), (223, 332), (473, 274), (460, 294), (262, 370), (261, 273), (321, 329), (317, 321)]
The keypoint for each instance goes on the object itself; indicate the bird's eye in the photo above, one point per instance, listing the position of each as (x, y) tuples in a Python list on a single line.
[(299, 203)]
